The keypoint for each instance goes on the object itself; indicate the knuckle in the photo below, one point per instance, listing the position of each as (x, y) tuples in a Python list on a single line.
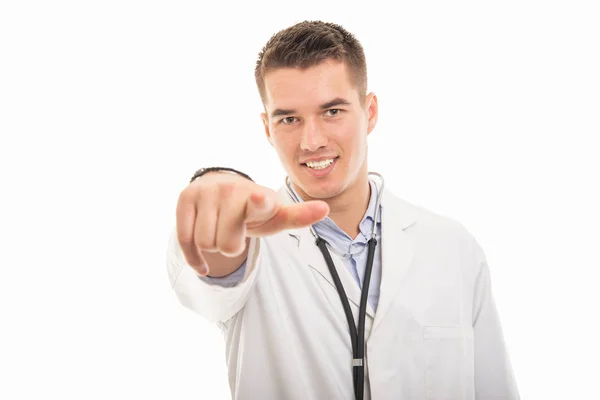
[(226, 189), (196, 191), (188, 196)]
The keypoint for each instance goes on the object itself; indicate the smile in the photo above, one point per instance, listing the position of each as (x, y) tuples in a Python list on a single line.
[(321, 167), (322, 164)]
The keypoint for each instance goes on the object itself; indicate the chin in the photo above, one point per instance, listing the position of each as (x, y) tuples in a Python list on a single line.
[(321, 190), (322, 184)]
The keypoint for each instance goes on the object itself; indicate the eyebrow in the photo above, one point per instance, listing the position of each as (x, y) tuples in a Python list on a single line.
[(338, 101)]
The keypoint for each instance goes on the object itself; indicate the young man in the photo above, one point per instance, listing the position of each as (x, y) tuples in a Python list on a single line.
[(243, 255)]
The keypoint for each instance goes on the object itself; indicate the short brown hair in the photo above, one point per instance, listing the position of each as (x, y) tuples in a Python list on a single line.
[(307, 44)]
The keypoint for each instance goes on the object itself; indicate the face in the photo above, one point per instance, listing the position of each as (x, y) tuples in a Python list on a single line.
[(315, 121)]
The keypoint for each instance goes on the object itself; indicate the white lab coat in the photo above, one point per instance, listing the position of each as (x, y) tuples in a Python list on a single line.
[(436, 333)]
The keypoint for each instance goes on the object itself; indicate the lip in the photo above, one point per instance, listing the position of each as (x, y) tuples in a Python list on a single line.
[(321, 172)]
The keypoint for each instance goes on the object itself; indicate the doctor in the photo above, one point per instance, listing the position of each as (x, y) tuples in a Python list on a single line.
[(244, 257)]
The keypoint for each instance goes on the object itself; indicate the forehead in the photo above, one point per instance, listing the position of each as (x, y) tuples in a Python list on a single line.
[(297, 88)]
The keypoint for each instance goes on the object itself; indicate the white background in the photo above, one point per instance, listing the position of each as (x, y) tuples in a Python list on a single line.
[(489, 114)]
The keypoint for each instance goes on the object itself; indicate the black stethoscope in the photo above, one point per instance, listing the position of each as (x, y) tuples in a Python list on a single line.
[(357, 333)]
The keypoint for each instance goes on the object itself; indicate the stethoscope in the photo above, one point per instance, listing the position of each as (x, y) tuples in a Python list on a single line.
[(357, 333)]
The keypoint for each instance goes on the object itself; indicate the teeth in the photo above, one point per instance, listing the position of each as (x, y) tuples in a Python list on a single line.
[(320, 164)]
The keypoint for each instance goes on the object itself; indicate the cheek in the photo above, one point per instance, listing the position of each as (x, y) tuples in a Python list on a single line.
[(352, 138), (285, 149), (355, 146)]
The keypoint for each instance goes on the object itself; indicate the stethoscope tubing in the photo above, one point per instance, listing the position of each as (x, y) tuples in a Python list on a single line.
[(357, 333)]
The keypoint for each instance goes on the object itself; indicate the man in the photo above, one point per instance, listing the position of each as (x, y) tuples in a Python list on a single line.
[(243, 255)]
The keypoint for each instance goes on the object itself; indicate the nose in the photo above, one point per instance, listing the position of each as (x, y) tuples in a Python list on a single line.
[(313, 137)]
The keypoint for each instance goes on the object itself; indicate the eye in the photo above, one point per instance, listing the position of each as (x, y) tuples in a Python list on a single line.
[(333, 112), (287, 120)]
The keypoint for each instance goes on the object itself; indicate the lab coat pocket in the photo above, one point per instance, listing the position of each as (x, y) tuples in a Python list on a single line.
[(445, 355)]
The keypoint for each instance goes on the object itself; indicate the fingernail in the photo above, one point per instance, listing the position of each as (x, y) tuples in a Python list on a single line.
[(203, 270)]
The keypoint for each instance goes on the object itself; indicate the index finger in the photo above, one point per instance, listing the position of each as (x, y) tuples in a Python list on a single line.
[(292, 216)]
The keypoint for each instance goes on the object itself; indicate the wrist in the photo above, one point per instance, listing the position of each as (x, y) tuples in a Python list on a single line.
[(204, 171)]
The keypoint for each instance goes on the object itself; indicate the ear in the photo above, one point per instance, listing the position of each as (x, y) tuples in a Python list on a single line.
[(372, 110), (265, 121)]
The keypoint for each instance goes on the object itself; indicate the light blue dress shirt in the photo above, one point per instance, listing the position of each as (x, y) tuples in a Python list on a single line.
[(353, 251)]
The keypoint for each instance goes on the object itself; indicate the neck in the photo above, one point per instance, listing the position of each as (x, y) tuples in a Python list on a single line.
[(348, 210)]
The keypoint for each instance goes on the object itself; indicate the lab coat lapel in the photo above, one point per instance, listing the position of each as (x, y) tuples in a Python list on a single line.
[(308, 248), (316, 261), (396, 251)]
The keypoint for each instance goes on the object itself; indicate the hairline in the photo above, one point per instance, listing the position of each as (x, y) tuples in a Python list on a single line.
[(362, 95)]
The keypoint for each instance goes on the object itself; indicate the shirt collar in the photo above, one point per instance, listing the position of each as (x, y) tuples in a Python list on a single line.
[(366, 224)]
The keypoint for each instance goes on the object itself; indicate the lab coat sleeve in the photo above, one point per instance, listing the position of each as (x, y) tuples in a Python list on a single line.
[(230, 280), (215, 302), (494, 377)]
